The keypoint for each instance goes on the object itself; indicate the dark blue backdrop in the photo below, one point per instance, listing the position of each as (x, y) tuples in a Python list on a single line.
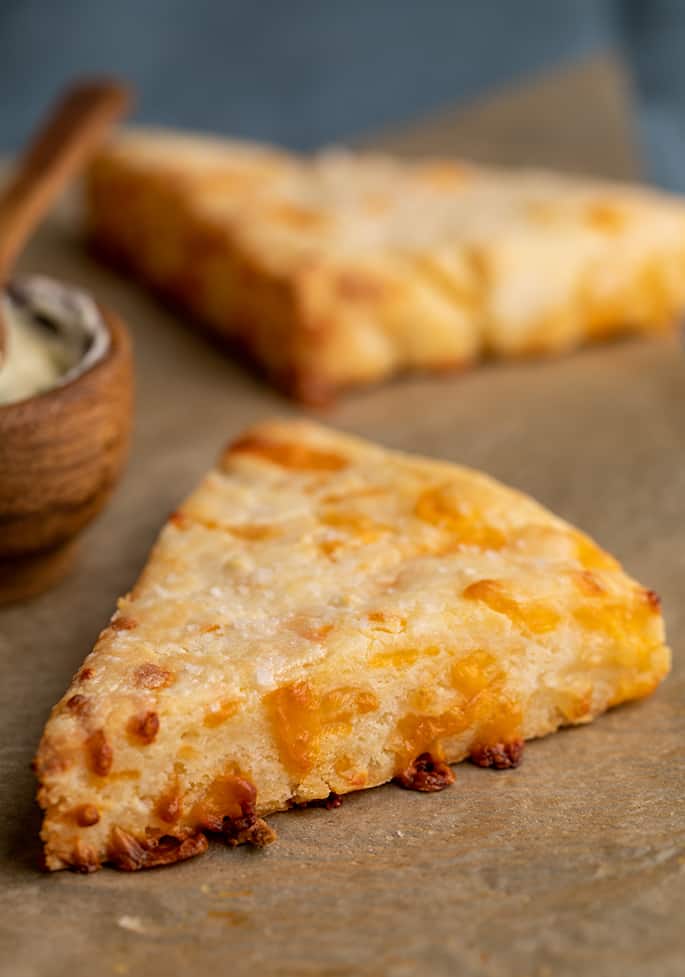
[(302, 72)]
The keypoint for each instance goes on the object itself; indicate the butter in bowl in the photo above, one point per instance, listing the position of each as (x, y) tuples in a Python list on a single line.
[(65, 364), (52, 334), (66, 392)]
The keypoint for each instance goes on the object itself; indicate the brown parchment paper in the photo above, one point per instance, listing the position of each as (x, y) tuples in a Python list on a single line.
[(574, 863)]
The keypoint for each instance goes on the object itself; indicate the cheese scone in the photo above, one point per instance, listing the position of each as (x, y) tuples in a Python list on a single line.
[(323, 615), (344, 269)]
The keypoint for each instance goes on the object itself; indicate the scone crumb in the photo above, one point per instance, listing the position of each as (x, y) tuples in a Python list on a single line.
[(248, 830)]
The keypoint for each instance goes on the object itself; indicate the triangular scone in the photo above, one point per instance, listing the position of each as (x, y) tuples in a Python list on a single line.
[(320, 613), (344, 269)]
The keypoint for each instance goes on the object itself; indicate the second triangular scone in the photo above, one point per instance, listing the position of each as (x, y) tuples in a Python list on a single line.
[(348, 268), (322, 615)]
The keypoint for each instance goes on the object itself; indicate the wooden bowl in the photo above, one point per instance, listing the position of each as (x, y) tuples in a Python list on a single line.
[(61, 453)]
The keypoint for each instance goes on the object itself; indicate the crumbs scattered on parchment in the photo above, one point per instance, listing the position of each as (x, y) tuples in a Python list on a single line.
[(132, 923)]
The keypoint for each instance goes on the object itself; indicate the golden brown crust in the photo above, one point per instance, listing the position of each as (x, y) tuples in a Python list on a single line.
[(330, 803), (128, 854), (248, 830), (287, 454), (229, 808), (84, 858), (426, 774), (501, 756)]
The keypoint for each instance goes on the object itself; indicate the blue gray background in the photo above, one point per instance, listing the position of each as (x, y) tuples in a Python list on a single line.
[(302, 72)]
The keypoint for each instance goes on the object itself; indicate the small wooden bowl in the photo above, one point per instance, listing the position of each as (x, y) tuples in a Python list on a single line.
[(61, 453)]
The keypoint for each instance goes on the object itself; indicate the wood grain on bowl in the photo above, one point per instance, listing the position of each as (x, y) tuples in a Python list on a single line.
[(61, 454)]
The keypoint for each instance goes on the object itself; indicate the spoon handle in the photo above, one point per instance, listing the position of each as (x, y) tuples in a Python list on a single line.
[(72, 131)]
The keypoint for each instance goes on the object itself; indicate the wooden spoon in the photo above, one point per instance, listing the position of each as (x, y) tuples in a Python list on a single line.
[(72, 132)]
